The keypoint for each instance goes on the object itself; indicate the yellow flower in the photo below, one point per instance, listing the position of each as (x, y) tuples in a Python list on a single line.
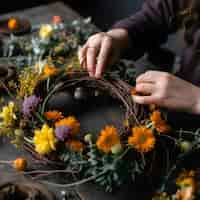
[(75, 145), (44, 140), (49, 71), (71, 122), (46, 31), (159, 124), (53, 115), (142, 139), (8, 115), (108, 138)]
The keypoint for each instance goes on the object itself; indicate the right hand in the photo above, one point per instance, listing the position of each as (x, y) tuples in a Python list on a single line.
[(102, 49)]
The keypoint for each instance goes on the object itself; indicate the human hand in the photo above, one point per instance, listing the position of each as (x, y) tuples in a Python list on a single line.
[(167, 90), (102, 49)]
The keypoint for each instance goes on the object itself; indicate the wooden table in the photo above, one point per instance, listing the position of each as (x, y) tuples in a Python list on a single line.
[(96, 117)]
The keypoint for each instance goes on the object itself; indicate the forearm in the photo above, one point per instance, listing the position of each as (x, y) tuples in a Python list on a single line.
[(150, 26)]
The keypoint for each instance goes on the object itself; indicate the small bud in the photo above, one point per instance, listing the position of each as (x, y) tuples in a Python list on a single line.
[(116, 149), (88, 138), (185, 146), (20, 164)]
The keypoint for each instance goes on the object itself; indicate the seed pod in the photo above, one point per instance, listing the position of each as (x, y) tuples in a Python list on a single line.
[(81, 93)]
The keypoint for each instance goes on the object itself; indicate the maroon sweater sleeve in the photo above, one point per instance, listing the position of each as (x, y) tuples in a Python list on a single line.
[(151, 25)]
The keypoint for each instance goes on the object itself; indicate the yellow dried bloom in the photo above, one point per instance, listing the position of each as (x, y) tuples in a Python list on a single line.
[(8, 115), (45, 140)]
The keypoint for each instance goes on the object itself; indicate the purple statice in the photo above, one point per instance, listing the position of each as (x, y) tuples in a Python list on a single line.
[(29, 105), (63, 132)]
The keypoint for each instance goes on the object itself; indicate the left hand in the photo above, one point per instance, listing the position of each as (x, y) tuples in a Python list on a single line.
[(167, 90)]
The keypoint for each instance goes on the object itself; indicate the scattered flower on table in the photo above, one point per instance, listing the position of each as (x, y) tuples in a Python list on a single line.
[(45, 140), (13, 24), (142, 139), (29, 105), (20, 164)]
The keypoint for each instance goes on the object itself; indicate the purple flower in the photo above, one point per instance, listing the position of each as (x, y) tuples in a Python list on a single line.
[(29, 105), (63, 132)]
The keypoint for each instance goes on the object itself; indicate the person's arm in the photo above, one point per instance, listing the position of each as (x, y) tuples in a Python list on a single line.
[(151, 25)]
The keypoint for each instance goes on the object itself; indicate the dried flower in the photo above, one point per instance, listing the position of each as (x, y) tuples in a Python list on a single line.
[(56, 19), (142, 139), (12, 24), (160, 125), (53, 115), (44, 140), (71, 122), (20, 164), (28, 80), (108, 138), (46, 31), (63, 132), (8, 115), (75, 145), (29, 105), (49, 71)]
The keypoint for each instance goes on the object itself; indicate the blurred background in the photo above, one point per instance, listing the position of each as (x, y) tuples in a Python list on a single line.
[(103, 12)]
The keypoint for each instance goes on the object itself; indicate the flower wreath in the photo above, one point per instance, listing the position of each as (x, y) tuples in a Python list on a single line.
[(113, 157)]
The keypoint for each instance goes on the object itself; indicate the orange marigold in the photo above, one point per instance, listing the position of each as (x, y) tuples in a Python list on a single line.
[(12, 24), (75, 145), (20, 164), (53, 115), (107, 139), (159, 124), (142, 139), (50, 71), (70, 121)]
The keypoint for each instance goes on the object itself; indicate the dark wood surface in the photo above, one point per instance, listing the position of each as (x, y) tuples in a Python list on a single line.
[(93, 118)]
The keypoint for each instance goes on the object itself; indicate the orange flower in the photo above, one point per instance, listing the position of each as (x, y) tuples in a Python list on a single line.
[(53, 115), (142, 139), (159, 124), (70, 121), (108, 138), (20, 164), (50, 71), (75, 145), (12, 24), (56, 19)]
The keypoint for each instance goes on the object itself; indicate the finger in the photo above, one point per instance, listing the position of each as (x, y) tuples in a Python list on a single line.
[(144, 99), (82, 54), (91, 60), (103, 56), (148, 76), (145, 88)]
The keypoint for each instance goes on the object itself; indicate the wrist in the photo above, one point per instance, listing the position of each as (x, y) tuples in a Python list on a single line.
[(121, 36)]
